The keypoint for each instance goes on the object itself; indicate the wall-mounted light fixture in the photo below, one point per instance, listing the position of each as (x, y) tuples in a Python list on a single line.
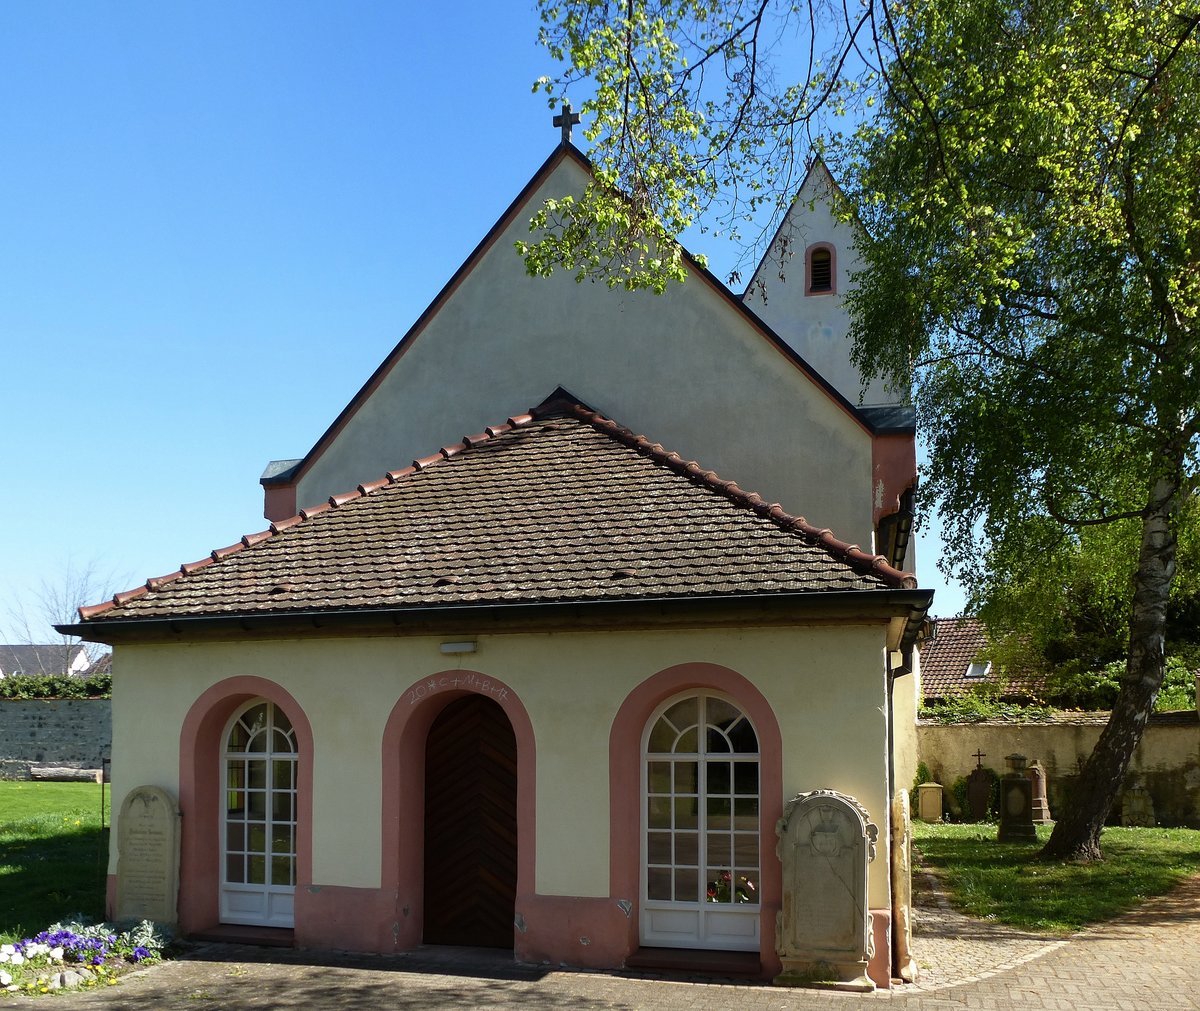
[(459, 647)]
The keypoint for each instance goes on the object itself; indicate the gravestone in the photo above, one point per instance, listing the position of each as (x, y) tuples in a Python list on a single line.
[(148, 856), (906, 965), (929, 802), (823, 930), (1016, 803), (979, 793), (1041, 806), (1137, 809)]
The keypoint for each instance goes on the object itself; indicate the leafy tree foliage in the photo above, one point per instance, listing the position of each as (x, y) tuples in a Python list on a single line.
[(1030, 191), (1029, 186), (697, 111)]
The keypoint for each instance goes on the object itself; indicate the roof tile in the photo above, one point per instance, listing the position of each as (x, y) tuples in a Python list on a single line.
[(559, 504)]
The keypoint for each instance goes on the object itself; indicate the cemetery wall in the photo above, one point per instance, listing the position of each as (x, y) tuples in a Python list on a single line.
[(73, 733), (1166, 763)]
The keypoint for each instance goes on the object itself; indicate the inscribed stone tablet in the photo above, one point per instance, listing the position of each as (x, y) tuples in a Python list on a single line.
[(148, 856)]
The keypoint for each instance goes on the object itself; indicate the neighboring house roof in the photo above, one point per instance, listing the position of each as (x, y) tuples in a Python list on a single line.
[(947, 660), (955, 662), (556, 505), (53, 658), (103, 665)]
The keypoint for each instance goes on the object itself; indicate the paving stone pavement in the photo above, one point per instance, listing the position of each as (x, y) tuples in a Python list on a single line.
[(1145, 961)]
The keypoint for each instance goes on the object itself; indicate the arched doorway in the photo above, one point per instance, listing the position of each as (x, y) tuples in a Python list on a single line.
[(470, 825), (701, 882), (259, 816)]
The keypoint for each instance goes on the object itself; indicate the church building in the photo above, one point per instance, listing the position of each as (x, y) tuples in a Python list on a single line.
[(550, 625)]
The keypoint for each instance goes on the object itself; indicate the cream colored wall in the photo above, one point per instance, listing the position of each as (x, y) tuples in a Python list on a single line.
[(816, 326), (683, 368), (826, 684), (1167, 760)]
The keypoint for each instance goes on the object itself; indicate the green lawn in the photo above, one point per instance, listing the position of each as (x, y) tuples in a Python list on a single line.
[(53, 855), (1007, 883)]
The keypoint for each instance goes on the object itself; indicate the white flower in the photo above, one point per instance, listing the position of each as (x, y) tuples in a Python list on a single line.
[(7, 949), (5, 978), (4, 957), (55, 954), (17, 959)]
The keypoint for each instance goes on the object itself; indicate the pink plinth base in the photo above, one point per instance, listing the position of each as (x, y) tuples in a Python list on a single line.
[(880, 966)]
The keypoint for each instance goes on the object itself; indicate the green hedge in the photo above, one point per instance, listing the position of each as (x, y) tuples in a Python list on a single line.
[(55, 686)]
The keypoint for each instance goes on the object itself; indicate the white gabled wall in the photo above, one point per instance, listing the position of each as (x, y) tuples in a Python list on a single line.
[(685, 369), (816, 326)]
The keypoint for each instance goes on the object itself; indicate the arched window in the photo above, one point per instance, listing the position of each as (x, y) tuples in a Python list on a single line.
[(819, 268), (701, 846), (258, 825)]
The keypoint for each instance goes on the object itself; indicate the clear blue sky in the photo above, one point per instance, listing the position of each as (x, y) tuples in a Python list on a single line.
[(218, 218)]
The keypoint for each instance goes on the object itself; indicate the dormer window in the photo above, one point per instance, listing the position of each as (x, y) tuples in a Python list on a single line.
[(979, 669), (819, 269)]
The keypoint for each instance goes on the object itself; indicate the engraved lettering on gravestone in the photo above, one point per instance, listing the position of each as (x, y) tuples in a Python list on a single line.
[(148, 856)]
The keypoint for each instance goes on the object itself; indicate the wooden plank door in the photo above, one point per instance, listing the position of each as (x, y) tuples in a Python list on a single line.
[(471, 825)]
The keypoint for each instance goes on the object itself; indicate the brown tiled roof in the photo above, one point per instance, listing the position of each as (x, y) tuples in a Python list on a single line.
[(945, 660), (559, 504)]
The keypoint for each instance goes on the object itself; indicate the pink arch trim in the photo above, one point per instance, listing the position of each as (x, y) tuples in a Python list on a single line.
[(625, 785), (403, 800), (200, 749)]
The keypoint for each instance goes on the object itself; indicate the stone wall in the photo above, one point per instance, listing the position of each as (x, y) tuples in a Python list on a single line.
[(1166, 763), (73, 733)]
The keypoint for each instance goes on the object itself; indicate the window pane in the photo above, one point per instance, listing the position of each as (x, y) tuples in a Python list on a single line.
[(746, 889), (658, 847), (282, 742), (716, 742), (745, 741), (281, 871), (719, 850), (658, 812), (745, 849), (658, 883), (658, 777), (256, 870), (687, 851), (282, 722), (685, 712), (256, 805), (718, 777), (283, 806), (281, 839), (721, 714), (686, 815), (235, 868), (687, 886), (281, 773), (745, 778), (257, 773), (718, 812), (662, 738), (235, 836), (685, 777), (256, 837), (688, 743), (746, 811)]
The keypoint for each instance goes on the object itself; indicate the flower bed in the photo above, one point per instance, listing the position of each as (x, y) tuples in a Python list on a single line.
[(70, 955)]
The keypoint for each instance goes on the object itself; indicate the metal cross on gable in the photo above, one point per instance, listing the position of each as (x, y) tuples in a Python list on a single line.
[(566, 119), (979, 756)]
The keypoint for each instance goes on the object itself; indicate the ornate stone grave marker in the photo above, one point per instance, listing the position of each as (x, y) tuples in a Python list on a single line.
[(1137, 808), (823, 930), (148, 856), (906, 965)]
